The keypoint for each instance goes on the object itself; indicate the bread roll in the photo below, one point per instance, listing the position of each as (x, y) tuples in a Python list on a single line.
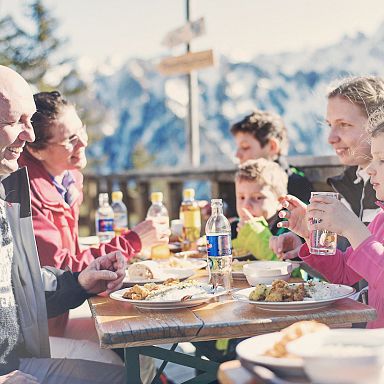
[(145, 270)]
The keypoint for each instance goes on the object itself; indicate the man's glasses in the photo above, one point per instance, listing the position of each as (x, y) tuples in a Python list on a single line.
[(71, 143)]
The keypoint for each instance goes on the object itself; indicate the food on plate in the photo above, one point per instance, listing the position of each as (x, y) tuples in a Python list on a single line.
[(169, 291), (279, 291), (237, 266), (291, 333), (174, 262), (191, 254), (145, 270), (140, 292)]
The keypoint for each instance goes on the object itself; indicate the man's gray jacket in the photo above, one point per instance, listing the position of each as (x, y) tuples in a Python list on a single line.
[(39, 292)]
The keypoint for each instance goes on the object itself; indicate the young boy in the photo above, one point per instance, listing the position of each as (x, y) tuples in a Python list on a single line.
[(259, 184), (262, 134)]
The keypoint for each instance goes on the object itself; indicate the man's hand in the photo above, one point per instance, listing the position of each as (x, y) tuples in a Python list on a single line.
[(285, 246), (18, 377), (106, 273), (295, 213), (152, 234)]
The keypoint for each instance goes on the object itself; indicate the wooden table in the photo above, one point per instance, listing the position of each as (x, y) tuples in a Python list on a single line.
[(121, 325)]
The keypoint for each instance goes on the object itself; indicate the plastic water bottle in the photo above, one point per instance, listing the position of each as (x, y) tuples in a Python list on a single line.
[(159, 214), (104, 219), (120, 214), (191, 219), (218, 232)]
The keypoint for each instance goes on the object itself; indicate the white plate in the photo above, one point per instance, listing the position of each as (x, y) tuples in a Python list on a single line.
[(196, 264), (308, 304), (172, 304), (253, 349), (168, 274)]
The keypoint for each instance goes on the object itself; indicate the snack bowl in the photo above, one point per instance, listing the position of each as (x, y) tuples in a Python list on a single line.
[(254, 279), (353, 356), (268, 268)]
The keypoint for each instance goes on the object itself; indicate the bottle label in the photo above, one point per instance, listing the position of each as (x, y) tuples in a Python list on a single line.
[(219, 245), (120, 220), (192, 219), (105, 225)]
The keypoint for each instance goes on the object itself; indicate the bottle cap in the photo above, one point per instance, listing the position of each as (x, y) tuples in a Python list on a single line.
[(117, 196), (103, 198), (216, 202), (189, 194), (157, 197)]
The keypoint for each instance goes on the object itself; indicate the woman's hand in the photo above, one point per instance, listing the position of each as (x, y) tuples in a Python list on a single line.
[(285, 246), (332, 215), (295, 215), (152, 234)]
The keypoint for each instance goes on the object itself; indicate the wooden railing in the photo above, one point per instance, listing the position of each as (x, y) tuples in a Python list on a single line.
[(137, 186)]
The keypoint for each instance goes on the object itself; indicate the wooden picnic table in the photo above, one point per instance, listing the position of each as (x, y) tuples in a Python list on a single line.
[(122, 325)]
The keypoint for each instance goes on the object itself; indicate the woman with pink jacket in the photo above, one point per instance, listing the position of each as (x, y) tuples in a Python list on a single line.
[(365, 257), (54, 161)]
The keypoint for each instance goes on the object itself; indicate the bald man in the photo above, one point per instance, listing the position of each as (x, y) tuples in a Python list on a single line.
[(29, 293)]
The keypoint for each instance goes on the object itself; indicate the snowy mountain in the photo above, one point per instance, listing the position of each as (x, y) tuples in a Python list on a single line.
[(149, 110)]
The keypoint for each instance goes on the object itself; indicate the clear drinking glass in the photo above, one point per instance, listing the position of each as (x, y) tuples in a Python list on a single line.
[(323, 242)]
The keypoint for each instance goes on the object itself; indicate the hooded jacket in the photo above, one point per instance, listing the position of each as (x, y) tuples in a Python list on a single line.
[(39, 292)]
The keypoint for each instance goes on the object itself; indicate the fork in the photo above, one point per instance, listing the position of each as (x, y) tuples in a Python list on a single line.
[(189, 297)]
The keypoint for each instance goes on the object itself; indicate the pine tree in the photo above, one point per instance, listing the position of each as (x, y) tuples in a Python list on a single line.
[(141, 158), (32, 53)]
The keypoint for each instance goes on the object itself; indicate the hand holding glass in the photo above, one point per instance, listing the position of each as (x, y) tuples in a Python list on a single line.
[(323, 242)]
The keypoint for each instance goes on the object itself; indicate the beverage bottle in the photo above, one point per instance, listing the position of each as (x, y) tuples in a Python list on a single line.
[(159, 214), (120, 215), (218, 232), (104, 219), (191, 219)]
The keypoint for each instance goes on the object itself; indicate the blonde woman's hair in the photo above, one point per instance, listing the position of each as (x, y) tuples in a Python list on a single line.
[(264, 172), (367, 92)]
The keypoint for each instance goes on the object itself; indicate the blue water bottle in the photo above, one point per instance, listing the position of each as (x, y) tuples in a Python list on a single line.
[(218, 232)]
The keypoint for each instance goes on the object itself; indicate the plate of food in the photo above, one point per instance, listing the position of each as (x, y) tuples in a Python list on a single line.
[(283, 296), (172, 294), (270, 350), (182, 264), (150, 271)]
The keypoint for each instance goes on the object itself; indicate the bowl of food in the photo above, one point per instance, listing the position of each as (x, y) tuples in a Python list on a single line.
[(353, 356), (265, 272), (269, 350)]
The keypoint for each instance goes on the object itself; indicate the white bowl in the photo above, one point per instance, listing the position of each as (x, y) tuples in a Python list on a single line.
[(268, 268), (353, 356), (254, 279)]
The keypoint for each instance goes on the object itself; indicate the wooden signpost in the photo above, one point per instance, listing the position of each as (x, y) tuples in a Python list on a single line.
[(185, 34), (186, 63)]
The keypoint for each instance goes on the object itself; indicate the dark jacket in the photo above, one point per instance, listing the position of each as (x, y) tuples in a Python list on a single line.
[(359, 195), (298, 184)]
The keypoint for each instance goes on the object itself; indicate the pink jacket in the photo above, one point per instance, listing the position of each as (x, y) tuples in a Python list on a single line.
[(366, 261), (57, 231)]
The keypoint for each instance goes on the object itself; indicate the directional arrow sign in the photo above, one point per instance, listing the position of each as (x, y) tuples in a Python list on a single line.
[(186, 63), (185, 33)]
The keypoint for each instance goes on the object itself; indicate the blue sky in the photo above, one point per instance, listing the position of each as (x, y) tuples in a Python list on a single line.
[(101, 29)]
